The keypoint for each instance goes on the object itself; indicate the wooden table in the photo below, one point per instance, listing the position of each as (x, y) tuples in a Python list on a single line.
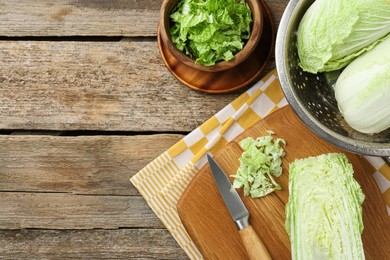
[(85, 103)]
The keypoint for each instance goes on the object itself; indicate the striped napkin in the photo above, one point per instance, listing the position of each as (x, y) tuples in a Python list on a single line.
[(163, 181)]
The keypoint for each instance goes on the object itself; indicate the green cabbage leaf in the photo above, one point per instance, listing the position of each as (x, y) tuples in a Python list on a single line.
[(334, 32), (210, 31), (324, 209), (259, 164)]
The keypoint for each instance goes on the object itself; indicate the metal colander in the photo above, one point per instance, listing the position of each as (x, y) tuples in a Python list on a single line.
[(312, 95)]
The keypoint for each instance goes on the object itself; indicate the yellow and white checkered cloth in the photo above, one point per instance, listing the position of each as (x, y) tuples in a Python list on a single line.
[(164, 180)]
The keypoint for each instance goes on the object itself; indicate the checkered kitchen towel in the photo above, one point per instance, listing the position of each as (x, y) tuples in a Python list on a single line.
[(164, 180)]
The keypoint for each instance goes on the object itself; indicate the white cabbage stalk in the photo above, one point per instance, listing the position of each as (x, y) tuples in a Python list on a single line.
[(363, 90), (324, 213), (334, 32)]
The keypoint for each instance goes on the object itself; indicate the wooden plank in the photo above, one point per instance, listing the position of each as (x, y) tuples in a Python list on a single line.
[(276, 8), (79, 18), (100, 165), (89, 244), (89, 17), (96, 86), (65, 211)]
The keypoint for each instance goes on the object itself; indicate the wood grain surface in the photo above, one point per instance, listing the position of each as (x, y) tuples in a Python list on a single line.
[(79, 182), (89, 244), (106, 86), (75, 191), (91, 165), (87, 65), (79, 18), (215, 233), (88, 17), (68, 211)]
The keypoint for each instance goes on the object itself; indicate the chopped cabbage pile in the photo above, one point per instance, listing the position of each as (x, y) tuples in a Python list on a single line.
[(210, 31), (259, 164)]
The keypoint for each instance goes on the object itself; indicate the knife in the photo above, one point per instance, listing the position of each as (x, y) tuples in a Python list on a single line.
[(251, 241)]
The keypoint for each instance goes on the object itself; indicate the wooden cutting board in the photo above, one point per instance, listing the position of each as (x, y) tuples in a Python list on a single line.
[(209, 224)]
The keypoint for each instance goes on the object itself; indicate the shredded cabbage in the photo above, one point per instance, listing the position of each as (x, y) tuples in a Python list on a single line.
[(260, 161), (210, 31), (334, 32), (324, 209)]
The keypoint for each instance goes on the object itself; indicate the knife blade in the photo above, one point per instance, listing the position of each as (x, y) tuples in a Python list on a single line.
[(239, 213)]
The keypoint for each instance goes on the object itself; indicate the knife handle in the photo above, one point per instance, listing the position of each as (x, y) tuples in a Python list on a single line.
[(253, 244)]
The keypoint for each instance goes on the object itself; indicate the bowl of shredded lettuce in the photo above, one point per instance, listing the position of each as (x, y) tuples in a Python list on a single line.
[(333, 62), (211, 35)]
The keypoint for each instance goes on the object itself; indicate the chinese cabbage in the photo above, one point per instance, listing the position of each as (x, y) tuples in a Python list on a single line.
[(324, 209), (260, 161), (210, 31), (362, 90), (334, 32)]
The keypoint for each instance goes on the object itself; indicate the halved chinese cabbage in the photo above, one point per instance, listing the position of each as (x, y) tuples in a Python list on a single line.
[(324, 212)]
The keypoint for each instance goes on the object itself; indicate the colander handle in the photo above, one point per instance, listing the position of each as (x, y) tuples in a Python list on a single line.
[(387, 160)]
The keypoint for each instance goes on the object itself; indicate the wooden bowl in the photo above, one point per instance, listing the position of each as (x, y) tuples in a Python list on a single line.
[(257, 28)]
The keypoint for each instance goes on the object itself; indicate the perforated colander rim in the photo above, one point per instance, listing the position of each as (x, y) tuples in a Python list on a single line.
[(344, 142)]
